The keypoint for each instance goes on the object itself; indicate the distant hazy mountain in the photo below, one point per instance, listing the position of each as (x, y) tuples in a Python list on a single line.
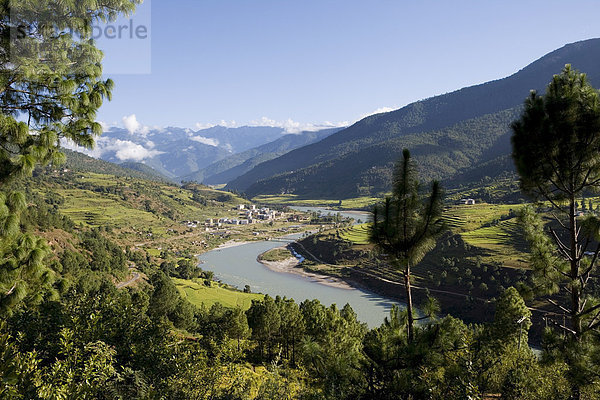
[(235, 165), (176, 152), (451, 135)]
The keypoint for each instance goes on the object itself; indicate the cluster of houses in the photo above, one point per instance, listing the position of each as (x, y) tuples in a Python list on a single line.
[(253, 213), (191, 224), (247, 214)]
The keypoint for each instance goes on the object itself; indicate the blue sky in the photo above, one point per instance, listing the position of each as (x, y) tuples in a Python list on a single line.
[(307, 62)]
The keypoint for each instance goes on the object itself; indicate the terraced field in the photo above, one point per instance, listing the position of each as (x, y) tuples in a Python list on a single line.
[(504, 242), (293, 200), (491, 228), (463, 218), (197, 293), (94, 200), (357, 234), (94, 209)]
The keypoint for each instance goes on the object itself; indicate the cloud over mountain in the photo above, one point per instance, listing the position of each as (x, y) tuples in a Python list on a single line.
[(132, 125), (205, 140)]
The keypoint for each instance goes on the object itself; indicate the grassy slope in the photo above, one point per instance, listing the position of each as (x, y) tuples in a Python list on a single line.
[(278, 254), (482, 253), (197, 293), (489, 227), (358, 234), (94, 199), (355, 203), (133, 207)]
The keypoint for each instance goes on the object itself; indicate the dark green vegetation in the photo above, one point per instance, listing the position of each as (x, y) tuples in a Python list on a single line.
[(556, 144), (459, 138), (82, 163)]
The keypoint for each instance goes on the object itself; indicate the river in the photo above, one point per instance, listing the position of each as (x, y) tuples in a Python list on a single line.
[(237, 266), (359, 216)]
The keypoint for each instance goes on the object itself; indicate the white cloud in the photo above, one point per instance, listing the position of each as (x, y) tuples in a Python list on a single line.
[(205, 140), (288, 125), (226, 124), (378, 111), (132, 125), (68, 144), (124, 150), (291, 126), (104, 125)]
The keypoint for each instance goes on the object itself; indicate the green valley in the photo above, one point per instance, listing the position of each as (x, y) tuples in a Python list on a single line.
[(448, 249)]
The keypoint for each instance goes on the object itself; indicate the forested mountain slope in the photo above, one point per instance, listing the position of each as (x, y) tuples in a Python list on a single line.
[(447, 134), (83, 163), (235, 165)]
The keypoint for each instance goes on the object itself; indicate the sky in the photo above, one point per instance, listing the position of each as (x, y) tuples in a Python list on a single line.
[(303, 63)]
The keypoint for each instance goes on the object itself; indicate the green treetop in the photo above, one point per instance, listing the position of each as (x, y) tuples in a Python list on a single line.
[(556, 143), (50, 78), (50, 88), (405, 226)]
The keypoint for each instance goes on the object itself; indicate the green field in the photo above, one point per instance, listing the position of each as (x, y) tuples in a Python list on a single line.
[(278, 254), (464, 218), (94, 209), (197, 294), (358, 234), (502, 241), (94, 199), (293, 200), (489, 227)]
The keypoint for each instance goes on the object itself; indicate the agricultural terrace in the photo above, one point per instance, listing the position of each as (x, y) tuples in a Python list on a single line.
[(490, 227), (197, 293)]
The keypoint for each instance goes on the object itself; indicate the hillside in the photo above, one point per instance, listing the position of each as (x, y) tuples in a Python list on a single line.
[(238, 164), (83, 163), (448, 135), (146, 169)]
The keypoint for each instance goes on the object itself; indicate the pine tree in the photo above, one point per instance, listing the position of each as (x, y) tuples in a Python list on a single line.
[(555, 148), (405, 227), (50, 89), (237, 325)]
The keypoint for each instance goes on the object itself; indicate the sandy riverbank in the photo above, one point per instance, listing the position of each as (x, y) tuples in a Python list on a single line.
[(231, 243), (290, 266)]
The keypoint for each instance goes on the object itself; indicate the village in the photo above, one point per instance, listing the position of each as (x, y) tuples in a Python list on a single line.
[(248, 214)]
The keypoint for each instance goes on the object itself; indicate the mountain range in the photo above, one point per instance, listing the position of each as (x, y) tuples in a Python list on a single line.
[(460, 138), (231, 167), (455, 137), (214, 155), (176, 152)]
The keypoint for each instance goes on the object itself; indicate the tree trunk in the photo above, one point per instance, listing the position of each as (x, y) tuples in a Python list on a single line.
[(294, 351), (574, 275), (409, 305), (575, 292)]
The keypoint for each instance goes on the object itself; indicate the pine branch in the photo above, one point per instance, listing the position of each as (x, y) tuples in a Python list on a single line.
[(571, 331), (590, 310), (564, 250), (559, 306)]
